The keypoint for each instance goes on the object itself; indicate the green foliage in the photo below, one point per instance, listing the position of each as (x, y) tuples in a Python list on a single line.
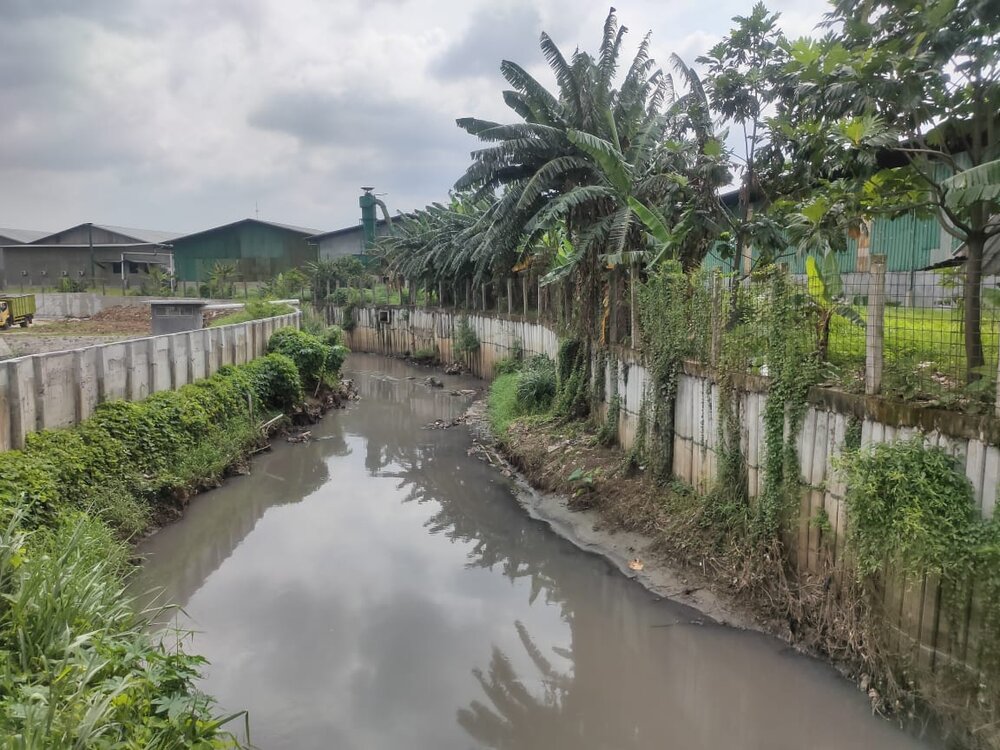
[(908, 504), (77, 665), (911, 510), (502, 405), (275, 381), (315, 360), (64, 617), (793, 367), (672, 316), (572, 379), (536, 385), (465, 341), (257, 309), (287, 284), (132, 449), (221, 280), (68, 285), (507, 366), (427, 355), (522, 391)]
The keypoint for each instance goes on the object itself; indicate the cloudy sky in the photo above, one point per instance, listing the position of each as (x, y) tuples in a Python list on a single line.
[(184, 114)]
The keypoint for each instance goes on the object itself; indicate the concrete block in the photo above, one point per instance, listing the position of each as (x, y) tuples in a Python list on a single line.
[(975, 463), (21, 383), (160, 377), (179, 356), (55, 390), (196, 355), (87, 373), (113, 372), (991, 478), (5, 408), (137, 366)]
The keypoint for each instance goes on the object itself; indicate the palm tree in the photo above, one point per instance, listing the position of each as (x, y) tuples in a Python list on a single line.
[(573, 158)]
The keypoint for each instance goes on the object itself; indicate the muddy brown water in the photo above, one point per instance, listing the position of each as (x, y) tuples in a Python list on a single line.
[(380, 588)]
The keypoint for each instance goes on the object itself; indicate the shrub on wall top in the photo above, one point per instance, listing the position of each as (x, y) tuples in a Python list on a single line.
[(316, 360)]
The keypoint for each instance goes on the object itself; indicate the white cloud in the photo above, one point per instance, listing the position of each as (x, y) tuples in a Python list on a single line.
[(181, 114)]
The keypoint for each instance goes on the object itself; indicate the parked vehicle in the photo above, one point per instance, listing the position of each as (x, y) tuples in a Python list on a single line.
[(18, 309)]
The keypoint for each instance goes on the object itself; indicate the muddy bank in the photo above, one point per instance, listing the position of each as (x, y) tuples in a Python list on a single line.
[(537, 465)]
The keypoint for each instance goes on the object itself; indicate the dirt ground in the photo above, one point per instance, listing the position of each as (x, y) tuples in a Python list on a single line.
[(112, 324)]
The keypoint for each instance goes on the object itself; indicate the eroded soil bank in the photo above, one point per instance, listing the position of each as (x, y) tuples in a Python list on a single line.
[(380, 587)]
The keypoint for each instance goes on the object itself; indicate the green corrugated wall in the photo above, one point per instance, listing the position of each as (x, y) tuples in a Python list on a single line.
[(260, 252), (907, 242)]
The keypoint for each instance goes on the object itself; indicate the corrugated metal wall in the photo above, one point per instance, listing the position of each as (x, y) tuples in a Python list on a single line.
[(260, 252), (907, 242)]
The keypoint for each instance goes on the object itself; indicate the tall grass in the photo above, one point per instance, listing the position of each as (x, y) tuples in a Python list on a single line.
[(77, 668), (522, 388)]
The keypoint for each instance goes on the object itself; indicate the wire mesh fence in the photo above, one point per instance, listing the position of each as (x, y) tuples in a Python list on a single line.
[(924, 351)]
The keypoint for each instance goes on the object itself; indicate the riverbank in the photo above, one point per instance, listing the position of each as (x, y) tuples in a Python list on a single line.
[(80, 667)]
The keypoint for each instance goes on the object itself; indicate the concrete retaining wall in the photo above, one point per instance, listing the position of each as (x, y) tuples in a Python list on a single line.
[(914, 608), (84, 304), (60, 389)]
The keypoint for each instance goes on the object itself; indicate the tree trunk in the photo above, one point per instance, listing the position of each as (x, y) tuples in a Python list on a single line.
[(974, 358)]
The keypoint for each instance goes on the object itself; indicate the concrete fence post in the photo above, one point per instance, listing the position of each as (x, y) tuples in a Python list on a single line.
[(510, 296), (875, 328), (524, 293)]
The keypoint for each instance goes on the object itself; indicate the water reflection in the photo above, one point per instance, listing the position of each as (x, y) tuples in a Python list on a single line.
[(389, 592)]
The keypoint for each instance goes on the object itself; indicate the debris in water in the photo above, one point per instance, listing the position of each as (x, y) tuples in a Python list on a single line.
[(455, 368), (444, 424), (635, 564), (433, 382), (300, 437)]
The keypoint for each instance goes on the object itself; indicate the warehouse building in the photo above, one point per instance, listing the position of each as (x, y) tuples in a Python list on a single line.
[(260, 250), (86, 254), (348, 241), (14, 237)]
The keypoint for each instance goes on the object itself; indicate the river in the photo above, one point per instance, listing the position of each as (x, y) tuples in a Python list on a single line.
[(378, 587)]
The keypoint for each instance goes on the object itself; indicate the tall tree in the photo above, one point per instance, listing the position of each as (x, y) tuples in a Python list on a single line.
[(743, 79), (925, 76), (573, 156)]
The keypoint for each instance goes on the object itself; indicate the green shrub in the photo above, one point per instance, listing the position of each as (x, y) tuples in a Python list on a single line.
[(334, 336), (506, 366), (907, 503), (128, 453), (465, 341), (275, 380), (426, 355), (316, 360), (536, 385), (256, 309), (340, 296)]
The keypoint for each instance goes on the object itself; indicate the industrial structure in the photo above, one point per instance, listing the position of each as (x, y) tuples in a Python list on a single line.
[(258, 249), (87, 254)]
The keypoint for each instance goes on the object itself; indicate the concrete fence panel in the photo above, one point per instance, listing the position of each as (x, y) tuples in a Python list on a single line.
[(59, 389)]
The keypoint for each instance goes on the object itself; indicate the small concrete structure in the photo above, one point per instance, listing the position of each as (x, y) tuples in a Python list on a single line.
[(176, 315)]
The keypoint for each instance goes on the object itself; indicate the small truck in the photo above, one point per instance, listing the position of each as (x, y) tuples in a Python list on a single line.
[(18, 309)]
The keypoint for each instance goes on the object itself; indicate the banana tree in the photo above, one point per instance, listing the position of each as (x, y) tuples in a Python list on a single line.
[(826, 292)]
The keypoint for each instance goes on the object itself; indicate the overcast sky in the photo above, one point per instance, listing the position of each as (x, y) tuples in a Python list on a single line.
[(185, 114)]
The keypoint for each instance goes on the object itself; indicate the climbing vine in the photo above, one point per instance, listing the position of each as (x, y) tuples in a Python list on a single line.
[(792, 365), (670, 306), (572, 379), (912, 514)]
